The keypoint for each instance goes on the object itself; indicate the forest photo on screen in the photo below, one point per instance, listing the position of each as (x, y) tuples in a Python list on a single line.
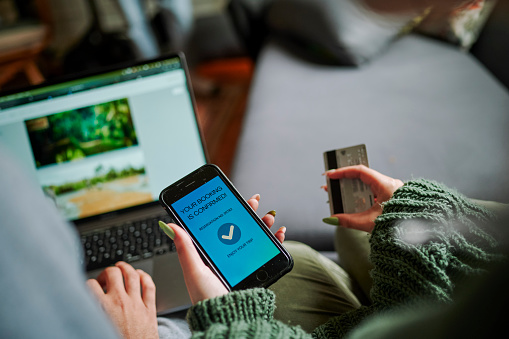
[(88, 159)]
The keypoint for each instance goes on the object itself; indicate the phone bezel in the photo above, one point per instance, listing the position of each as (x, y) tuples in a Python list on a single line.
[(275, 268)]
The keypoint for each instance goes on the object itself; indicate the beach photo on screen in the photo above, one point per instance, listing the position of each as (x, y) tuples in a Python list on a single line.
[(88, 159)]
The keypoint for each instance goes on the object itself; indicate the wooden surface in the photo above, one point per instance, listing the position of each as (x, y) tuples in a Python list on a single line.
[(221, 89)]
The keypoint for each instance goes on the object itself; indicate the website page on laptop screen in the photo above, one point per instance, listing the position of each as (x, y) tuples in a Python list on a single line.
[(105, 142)]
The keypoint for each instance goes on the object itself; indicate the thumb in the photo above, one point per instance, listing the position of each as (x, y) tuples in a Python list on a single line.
[(201, 282), (190, 260)]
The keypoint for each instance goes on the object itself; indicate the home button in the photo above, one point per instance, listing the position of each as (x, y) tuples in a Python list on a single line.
[(262, 275)]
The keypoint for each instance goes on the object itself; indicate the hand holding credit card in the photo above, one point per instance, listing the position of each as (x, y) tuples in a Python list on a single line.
[(356, 192)]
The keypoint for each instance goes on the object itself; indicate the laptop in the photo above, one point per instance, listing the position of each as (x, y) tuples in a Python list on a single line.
[(102, 146)]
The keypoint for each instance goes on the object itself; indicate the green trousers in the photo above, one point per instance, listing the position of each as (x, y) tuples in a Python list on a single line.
[(317, 288)]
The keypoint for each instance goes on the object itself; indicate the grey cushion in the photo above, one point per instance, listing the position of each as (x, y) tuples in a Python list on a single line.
[(342, 32), (424, 109)]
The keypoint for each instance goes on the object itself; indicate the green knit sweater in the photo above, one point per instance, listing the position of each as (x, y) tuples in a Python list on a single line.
[(428, 240)]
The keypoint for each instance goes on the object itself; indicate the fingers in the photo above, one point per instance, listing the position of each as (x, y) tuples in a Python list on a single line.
[(364, 221), (269, 220), (148, 289), (96, 289), (131, 278), (123, 278), (383, 187), (280, 234), (254, 202), (366, 174), (111, 279), (133, 314)]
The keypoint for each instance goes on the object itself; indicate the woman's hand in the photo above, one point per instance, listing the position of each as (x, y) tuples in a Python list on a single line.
[(201, 282), (129, 298), (382, 186), (268, 218)]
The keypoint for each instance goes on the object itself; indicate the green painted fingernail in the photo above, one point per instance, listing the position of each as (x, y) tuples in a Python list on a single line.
[(331, 221), (273, 213), (169, 232)]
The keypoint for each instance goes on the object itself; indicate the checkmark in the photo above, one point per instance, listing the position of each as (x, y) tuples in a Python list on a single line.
[(230, 236), (229, 233)]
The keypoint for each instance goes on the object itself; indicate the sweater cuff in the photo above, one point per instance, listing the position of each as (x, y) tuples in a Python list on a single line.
[(423, 198), (246, 305), (433, 203)]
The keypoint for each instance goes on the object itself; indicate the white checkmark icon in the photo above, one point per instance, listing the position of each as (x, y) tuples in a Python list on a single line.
[(230, 236)]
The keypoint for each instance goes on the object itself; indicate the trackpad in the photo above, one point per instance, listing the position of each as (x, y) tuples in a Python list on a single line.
[(171, 295), (145, 265), (171, 291)]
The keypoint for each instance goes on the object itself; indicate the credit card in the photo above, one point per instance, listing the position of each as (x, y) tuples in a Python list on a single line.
[(348, 195)]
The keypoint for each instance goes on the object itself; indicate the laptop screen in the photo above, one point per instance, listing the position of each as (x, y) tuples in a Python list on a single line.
[(105, 142)]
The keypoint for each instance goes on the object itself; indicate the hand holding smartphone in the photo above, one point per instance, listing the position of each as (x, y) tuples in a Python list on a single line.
[(233, 241)]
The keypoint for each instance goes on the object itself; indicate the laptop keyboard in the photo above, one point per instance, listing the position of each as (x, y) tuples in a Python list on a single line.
[(129, 242)]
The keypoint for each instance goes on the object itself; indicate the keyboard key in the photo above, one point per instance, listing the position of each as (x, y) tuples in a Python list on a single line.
[(131, 241)]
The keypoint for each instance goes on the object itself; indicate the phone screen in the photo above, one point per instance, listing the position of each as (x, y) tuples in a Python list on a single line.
[(226, 231)]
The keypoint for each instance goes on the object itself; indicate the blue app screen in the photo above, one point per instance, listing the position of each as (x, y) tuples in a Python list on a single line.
[(225, 230)]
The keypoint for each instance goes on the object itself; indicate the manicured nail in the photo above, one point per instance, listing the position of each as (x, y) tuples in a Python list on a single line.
[(282, 229), (257, 197), (169, 232), (273, 213), (331, 221)]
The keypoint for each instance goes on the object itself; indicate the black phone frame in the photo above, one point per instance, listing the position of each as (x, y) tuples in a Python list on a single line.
[(275, 268)]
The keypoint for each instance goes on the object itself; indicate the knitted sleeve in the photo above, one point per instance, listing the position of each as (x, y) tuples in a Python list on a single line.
[(428, 240), (240, 314)]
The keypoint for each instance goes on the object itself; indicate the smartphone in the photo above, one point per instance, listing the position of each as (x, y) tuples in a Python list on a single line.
[(233, 241), (347, 195)]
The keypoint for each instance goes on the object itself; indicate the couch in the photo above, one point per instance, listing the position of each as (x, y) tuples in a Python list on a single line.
[(423, 107)]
